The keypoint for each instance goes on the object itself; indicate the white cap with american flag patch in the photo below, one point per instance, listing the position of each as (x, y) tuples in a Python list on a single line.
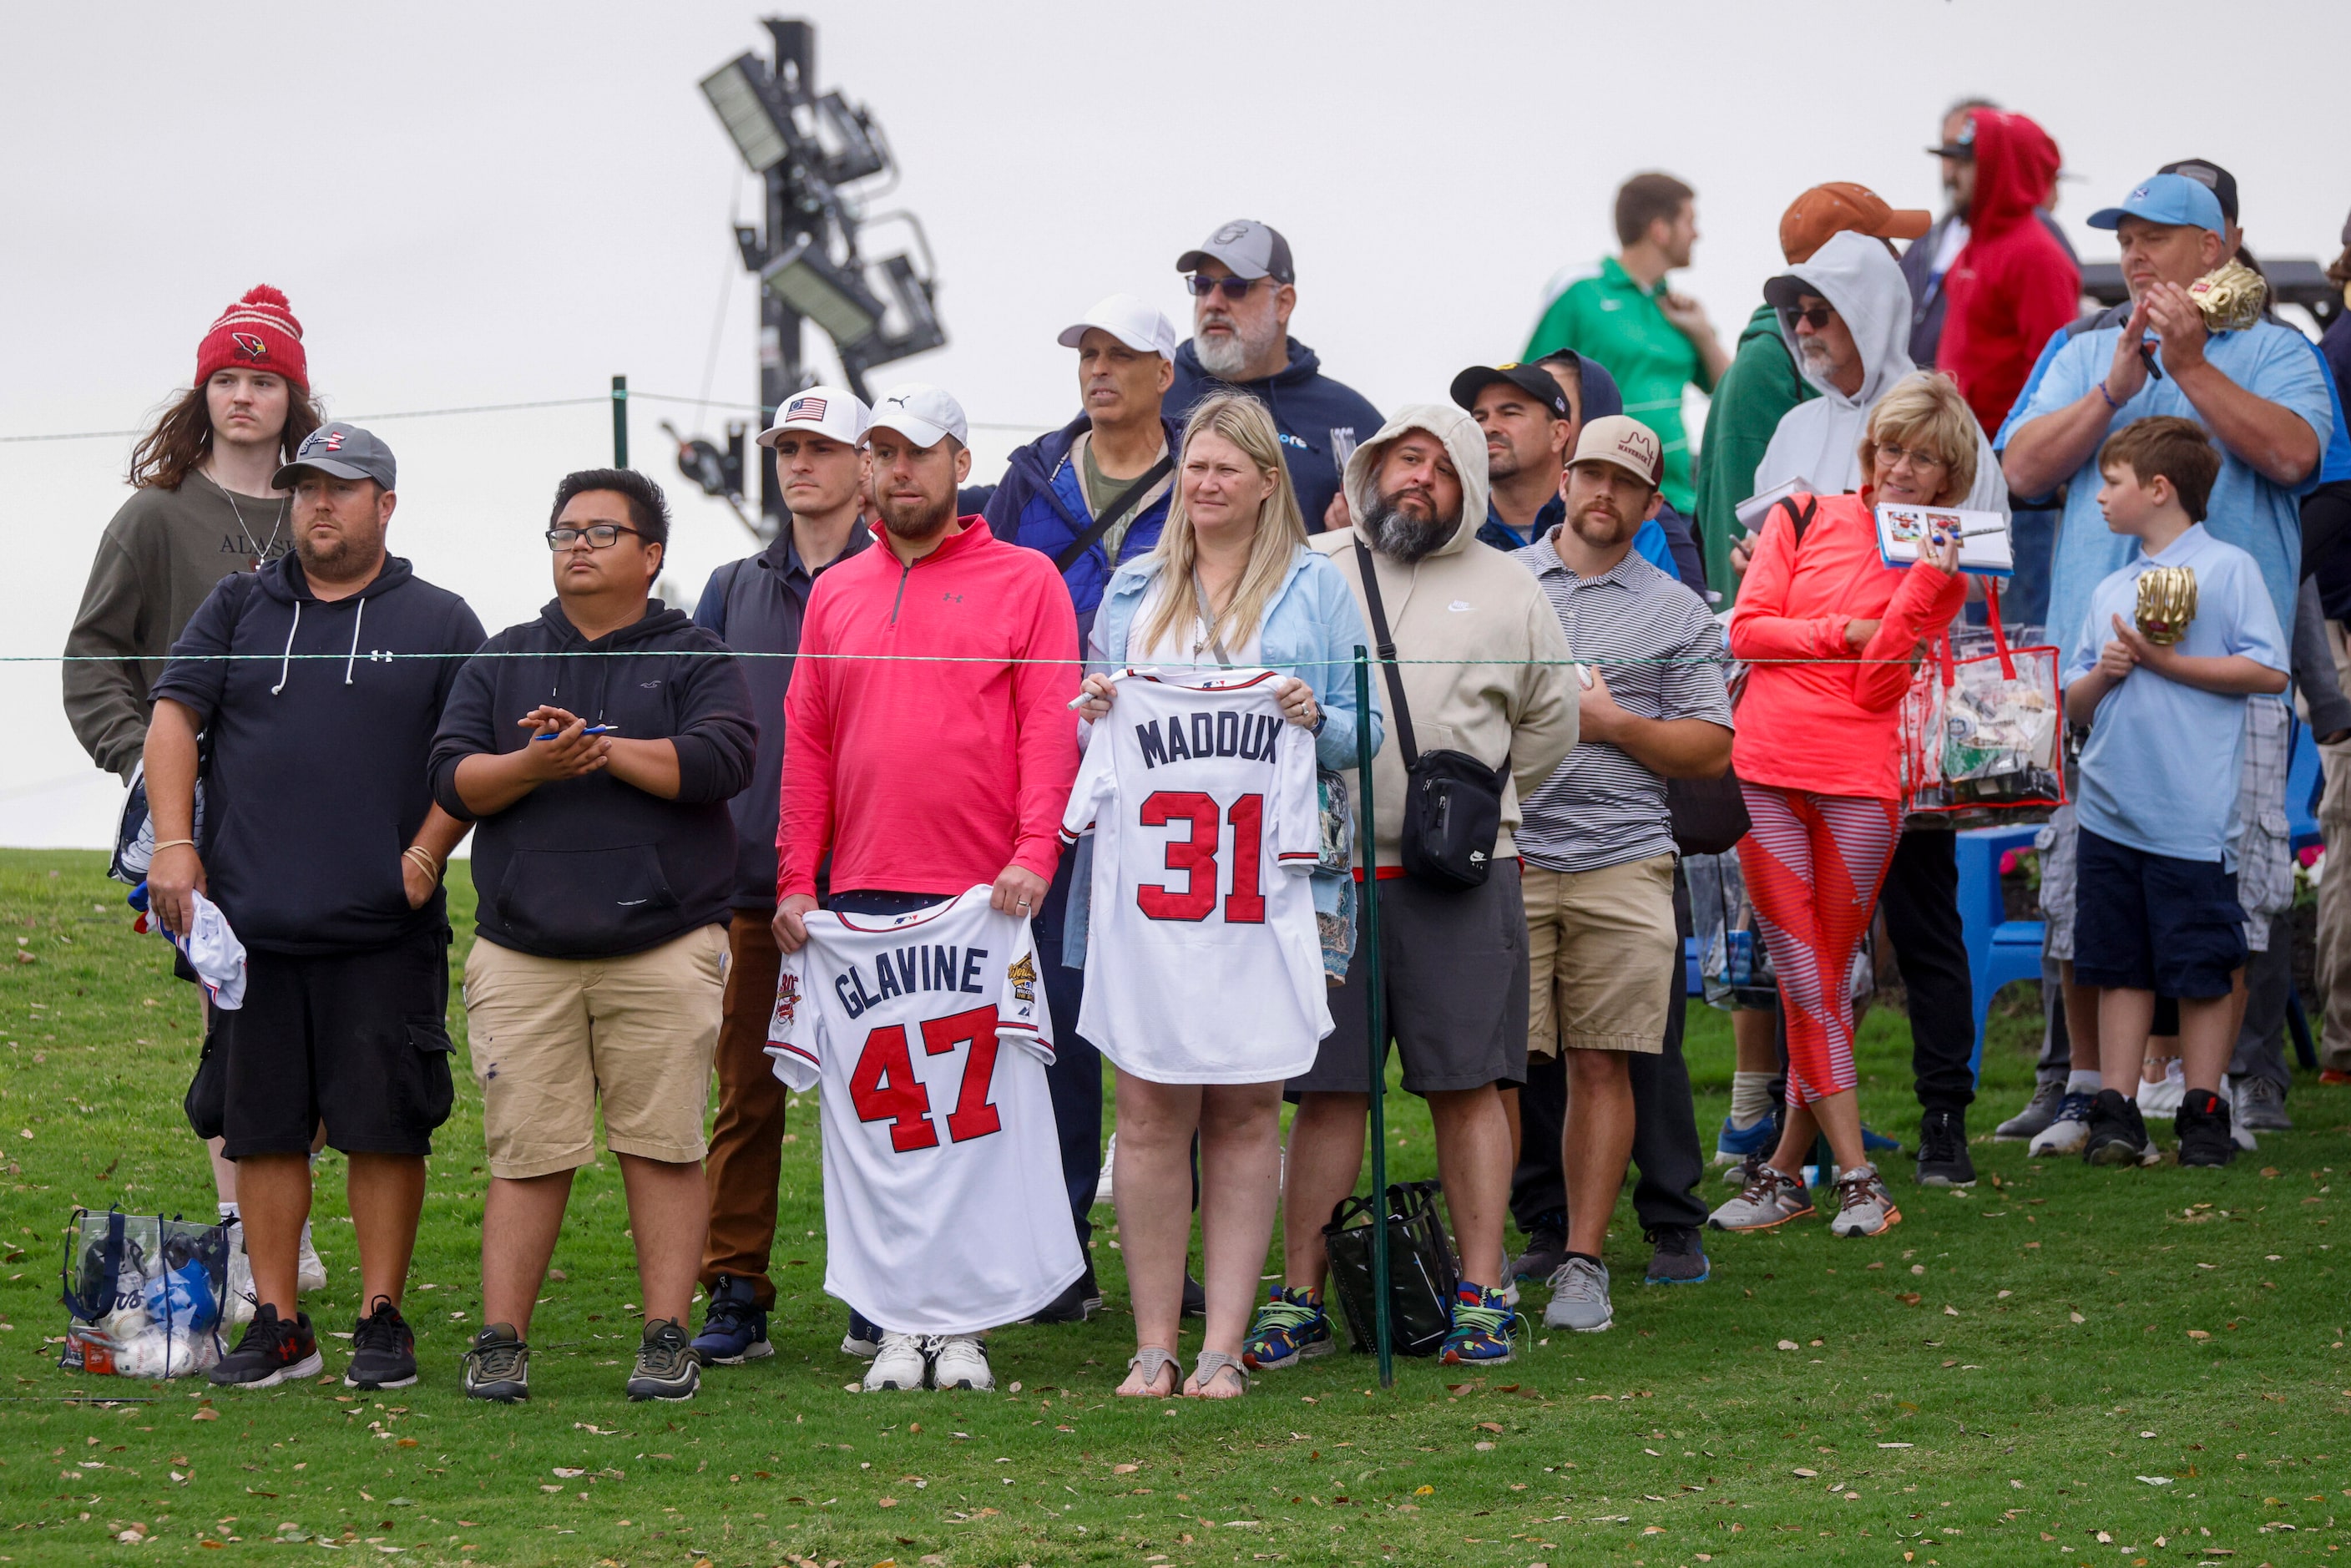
[(830, 411)]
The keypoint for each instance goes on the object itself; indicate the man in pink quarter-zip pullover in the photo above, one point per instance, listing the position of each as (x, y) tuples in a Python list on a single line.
[(940, 668)]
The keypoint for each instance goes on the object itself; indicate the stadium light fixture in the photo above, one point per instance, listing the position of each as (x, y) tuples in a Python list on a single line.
[(742, 92), (805, 278)]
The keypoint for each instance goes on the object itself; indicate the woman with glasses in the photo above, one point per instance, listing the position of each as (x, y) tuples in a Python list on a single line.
[(1829, 632), (1231, 583)]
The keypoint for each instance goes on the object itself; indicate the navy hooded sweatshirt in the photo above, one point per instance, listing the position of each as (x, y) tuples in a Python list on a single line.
[(592, 867), (318, 727), (1041, 503), (1313, 413)]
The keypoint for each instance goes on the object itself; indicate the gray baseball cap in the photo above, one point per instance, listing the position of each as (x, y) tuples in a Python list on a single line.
[(1250, 248), (345, 451)]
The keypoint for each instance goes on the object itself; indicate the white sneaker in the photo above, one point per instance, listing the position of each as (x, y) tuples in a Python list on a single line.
[(898, 1364), (960, 1361), (1101, 1182), (2067, 1134), (309, 1269), (2162, 1097), (238, 1307)]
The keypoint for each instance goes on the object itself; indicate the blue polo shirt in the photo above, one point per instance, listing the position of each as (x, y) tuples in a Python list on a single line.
[(2265, 519), (2159, 772)]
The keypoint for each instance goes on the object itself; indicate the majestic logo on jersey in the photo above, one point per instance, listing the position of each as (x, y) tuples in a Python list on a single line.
[(251, 347), (1224, 733), (1023, 978), (788, 1002)]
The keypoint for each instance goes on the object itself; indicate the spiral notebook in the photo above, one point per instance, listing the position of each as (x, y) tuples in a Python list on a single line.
[(1984, 544)]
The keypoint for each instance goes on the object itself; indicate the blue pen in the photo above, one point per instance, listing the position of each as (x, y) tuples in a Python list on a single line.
[(591, 729)]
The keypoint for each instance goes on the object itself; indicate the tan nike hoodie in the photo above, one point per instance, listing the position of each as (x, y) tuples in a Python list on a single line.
[(1501, 688)]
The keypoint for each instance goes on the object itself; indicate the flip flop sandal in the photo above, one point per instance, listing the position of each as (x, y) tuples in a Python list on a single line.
[(1151, 1361), (1212, 1363)]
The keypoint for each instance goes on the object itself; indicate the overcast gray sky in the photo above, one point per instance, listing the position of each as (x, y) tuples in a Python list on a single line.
[(477, 203)]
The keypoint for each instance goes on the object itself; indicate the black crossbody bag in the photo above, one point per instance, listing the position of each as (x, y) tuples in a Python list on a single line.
[(1125, 501), (1453, 802)]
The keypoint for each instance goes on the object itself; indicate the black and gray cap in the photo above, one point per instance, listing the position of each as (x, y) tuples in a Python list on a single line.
[(344, 451), (1250, 248)]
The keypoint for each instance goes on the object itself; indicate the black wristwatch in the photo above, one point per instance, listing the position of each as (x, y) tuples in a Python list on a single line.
[(1322, 717)]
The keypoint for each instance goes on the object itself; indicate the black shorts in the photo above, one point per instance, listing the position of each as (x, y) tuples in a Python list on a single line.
[(357, 1040), (1454, 967), (2150, 923)]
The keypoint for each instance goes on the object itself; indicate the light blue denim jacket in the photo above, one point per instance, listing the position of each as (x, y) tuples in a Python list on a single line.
[(1311, 631)]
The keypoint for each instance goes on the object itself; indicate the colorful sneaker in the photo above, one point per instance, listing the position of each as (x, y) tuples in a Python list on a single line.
[(1290, 1327), (1579, 1298), (272, 1352), (2117, 1131), (2033, 1120), (2335, 1077), (960, 1361), (1864, 1206), (899, 1365), (1677, 1257), (1875, 1142), (1771, 1199), (497, 1367), (1943, 1150), (384, 1350), (1481, 1328), (2066, 1133), (2202, 1125), (734, 1330), (666, 1366), (1733, 1145)]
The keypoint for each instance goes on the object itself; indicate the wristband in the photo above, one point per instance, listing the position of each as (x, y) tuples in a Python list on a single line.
[(423, 858), (2107, 395), (173, 845)]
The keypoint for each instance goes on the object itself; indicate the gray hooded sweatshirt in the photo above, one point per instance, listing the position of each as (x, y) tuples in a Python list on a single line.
[(1818, 441)]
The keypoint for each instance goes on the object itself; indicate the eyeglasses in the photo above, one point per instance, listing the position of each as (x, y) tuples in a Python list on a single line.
[(1817, 317), (600, 536), (1894, 456), (1202, 286)]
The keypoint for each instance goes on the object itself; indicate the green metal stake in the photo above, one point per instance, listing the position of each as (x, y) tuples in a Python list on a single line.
[(619, 421), (1382, 1330)]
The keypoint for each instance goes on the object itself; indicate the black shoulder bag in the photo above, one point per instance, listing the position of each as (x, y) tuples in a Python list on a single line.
[(1121, 504), (1710, 815), (1452, 801)]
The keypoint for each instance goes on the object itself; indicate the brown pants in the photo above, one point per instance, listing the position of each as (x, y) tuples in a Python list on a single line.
[(747, 1142)]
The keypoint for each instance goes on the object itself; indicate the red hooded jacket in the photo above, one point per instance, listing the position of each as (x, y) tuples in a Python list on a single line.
[(2012, 284)]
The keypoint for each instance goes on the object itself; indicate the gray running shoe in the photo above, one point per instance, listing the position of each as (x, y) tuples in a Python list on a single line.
[(2067, 1133), (2033, 1120), (666, 1368), (1864, 1206), (1771, 1198), (2260, 1105), (499, 1366), (1579, 1297)]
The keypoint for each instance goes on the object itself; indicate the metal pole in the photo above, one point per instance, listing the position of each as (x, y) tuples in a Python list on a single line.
[(619, 421), (1382, 1330)]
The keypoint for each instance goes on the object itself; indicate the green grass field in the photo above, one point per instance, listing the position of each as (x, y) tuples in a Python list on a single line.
[(2067, 1365)]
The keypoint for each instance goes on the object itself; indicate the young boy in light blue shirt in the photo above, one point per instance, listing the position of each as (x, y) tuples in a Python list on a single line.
[(2156, 910)]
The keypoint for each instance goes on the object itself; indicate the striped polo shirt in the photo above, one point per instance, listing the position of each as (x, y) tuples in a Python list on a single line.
[(1662, 655)]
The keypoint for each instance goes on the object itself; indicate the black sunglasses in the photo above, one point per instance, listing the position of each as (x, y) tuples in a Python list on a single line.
[(1202, 286), (1817, 317)]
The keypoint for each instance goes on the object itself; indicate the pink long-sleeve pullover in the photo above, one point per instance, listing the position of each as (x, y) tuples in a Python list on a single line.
[(922, 776), (1817, 723)]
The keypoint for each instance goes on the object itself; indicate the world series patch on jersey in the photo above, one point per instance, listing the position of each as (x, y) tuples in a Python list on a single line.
[(943, 1207), (1203, 965)]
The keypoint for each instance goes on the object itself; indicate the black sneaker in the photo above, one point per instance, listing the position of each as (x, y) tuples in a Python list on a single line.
[(273, 1351), (667, 1367), (2117, 1131), (1677, 1257), (2202, 1125), (1546, 1247), (1943, 1150), (384, 1350), (1196, 1297), (499, 1366), (1082, 1300)]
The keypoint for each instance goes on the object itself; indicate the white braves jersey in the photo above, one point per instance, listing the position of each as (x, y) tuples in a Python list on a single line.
[(944, 1207), (1203, 963)]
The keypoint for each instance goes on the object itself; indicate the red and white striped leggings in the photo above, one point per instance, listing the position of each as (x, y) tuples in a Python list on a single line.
[(1813, 865)]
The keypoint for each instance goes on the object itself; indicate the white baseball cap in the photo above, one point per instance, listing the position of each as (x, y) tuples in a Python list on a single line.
[(821, 411), (919, 412), (1140, 327)]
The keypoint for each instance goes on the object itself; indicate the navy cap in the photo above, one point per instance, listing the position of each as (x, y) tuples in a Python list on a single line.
[(2166, 199), (345, 451)]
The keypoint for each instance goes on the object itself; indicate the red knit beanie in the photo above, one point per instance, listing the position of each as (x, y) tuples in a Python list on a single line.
[(256, 333)]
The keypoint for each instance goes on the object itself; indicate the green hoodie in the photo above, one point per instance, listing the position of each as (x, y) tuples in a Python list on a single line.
[(1760, 385), (156, 562)]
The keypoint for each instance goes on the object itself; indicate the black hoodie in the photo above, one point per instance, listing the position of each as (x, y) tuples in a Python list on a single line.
[(592, 867), (319, 723)]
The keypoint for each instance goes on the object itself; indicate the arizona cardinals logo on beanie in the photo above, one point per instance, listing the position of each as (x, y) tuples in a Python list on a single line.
[(256, 333)]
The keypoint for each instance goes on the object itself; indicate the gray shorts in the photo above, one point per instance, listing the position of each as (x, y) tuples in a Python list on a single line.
[(1454, 968)]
